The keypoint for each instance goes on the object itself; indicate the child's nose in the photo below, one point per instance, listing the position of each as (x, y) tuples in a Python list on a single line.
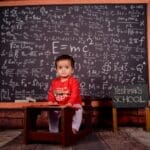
[(63, 69)]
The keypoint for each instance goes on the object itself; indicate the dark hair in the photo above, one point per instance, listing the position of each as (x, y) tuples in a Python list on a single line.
[(65, 57)]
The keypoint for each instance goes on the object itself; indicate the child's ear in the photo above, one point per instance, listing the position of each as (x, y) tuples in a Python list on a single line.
[(57, 74)]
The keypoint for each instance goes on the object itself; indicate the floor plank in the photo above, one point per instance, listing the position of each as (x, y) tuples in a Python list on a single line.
[(91, 142), (125, 139)]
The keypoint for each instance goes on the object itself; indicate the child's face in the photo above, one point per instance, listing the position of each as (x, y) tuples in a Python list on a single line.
[(64, 68)]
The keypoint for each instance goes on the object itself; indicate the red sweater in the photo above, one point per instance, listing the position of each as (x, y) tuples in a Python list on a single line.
[(65, 92)]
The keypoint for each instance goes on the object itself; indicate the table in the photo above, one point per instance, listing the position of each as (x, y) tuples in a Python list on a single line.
[(65, 136)]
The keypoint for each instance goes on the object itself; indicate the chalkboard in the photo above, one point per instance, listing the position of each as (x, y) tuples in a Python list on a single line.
[(130, 96), (108, 43)]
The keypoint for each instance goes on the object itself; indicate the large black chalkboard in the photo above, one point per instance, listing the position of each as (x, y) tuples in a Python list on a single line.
[(108, 43)]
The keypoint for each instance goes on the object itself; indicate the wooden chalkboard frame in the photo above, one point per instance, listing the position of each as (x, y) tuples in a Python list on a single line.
[(64, 2)]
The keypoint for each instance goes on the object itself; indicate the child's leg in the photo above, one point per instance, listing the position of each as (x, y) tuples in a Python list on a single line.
[(77, 118), (53, 121)]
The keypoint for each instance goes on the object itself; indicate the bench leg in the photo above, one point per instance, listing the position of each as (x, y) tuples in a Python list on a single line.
[(115, 122), (147, 114)]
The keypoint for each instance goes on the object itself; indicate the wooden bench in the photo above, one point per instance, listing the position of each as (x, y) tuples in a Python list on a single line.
[(147, 119), (12, 114)]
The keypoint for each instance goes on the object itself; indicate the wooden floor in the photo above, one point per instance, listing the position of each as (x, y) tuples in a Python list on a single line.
[(127, 138), (91, 142)]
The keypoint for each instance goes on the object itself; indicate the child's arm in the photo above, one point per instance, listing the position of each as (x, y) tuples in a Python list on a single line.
[(51, 97), (75, 93)]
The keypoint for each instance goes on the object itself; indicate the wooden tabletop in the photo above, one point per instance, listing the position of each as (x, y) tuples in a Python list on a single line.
[(21, 105)]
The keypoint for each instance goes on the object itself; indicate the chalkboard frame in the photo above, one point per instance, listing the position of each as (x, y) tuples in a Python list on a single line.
[(64, 2)]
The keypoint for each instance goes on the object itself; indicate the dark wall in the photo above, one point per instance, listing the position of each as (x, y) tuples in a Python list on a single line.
[(108, 43)]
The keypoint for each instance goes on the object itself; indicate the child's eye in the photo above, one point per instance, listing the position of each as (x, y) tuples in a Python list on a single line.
[(66, 67), (60, 67)]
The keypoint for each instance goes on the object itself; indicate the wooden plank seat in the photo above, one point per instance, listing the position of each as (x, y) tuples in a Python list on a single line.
[(65, 136)]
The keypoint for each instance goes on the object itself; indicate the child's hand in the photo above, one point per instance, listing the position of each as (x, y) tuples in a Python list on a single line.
[(55, 103), (68, 105), (52, 103)]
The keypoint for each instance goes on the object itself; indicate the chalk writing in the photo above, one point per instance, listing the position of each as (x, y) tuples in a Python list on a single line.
[(130, 96), (108, 43)]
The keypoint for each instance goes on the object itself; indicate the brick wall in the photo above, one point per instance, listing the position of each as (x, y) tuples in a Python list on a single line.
[(101, 117)]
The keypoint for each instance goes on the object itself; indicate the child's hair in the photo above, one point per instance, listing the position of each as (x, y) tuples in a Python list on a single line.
[(65, 57)]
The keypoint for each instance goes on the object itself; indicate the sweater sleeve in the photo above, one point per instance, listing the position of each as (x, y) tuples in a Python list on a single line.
[(51, 96), (75, 92)]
